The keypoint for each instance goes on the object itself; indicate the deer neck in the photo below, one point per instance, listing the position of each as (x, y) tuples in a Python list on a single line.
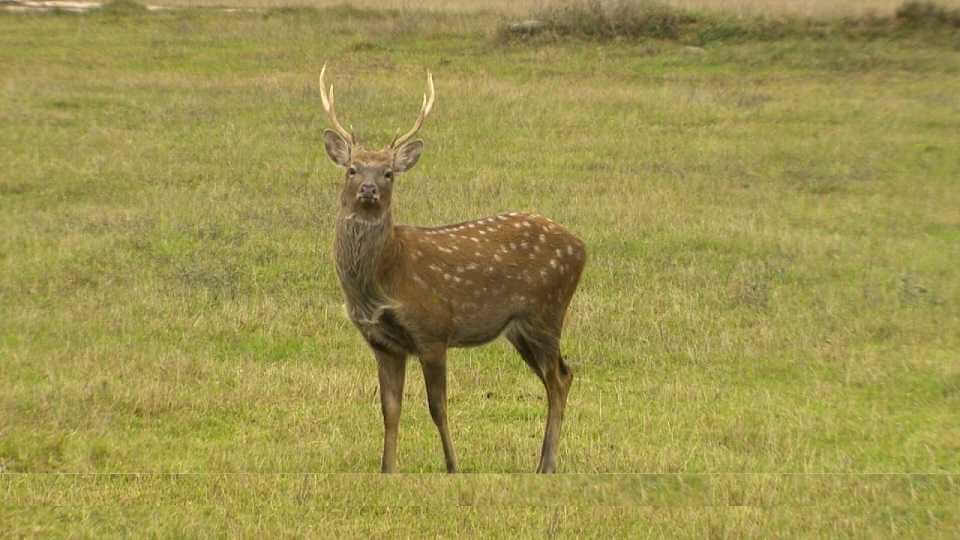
[(361, 250)]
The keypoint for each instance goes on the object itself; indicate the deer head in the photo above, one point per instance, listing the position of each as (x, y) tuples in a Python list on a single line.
[(368, 185)]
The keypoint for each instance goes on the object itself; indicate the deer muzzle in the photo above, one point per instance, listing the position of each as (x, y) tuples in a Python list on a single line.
[(368, 193)]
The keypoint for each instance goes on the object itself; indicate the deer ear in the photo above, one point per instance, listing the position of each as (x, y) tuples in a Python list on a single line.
[(405, 157), (337, 147)]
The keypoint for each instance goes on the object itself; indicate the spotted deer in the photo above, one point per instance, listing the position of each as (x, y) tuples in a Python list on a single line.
[(421, 290)]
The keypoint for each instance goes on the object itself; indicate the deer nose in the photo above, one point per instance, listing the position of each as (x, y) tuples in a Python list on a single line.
[(368, 190)]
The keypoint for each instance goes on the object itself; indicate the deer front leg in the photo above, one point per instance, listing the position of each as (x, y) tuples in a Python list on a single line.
[(391, 369), (434, 363)]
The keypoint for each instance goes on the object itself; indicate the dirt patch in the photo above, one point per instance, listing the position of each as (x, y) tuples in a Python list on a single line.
[(28, 5), (40, 6)]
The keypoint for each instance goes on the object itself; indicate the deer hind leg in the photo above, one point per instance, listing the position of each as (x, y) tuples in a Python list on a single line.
[(541, 351), (391, 370), (433, 360)]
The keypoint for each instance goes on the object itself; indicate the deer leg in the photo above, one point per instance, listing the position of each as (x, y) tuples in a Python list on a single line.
[(557, 380), (434, 364), (543, 356), (391, 370)]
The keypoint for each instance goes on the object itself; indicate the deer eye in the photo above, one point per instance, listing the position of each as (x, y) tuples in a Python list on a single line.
[(388, 175), (352, 170)]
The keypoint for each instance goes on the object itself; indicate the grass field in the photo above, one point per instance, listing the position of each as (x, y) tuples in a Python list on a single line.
[(808, 8), (765, 340)]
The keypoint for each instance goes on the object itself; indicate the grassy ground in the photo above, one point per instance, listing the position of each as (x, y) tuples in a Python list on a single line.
[(769, 317), (807, 8)]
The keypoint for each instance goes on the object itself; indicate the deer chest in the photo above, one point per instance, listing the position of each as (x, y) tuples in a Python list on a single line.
[(384, 332)]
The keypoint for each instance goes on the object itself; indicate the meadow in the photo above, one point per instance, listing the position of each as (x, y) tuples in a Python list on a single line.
[(765, 340), (521, 8)]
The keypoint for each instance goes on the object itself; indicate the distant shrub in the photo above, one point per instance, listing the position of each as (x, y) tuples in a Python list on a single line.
[(648, 19), (123, 7), (916, 13), (598, 20), (723, 28), (291, 11), (338, 12), (602, 20)]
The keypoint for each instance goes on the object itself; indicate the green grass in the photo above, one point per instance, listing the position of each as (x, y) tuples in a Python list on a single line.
[(769, 317), (501, 506)]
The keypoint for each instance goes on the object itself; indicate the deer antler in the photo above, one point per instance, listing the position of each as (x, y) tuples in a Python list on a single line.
[(331, 111), (424, 111)]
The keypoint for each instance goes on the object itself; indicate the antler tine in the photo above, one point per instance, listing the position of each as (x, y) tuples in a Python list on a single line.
[(424, 111), (328, 106)]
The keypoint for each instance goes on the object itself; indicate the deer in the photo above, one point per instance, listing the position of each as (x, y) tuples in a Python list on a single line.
[(420, 291)]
